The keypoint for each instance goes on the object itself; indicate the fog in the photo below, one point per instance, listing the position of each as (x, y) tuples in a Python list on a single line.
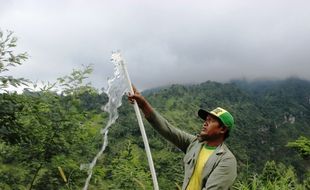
[(163, 42)]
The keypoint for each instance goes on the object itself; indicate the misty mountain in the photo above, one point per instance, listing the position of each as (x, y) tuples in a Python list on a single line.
[(268, 114), (43, 133)]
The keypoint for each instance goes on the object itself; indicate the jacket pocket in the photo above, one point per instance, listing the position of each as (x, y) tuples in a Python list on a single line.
[(189, 161)]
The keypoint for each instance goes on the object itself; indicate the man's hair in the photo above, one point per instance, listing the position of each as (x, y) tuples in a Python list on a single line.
[(226, 134)]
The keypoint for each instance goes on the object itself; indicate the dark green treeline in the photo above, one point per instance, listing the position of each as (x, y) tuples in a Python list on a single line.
[(43, 133)]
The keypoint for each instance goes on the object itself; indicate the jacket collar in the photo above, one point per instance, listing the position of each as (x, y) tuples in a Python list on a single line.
[(221, 149)]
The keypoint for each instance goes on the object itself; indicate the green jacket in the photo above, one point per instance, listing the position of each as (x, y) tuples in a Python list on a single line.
[(220, 170)]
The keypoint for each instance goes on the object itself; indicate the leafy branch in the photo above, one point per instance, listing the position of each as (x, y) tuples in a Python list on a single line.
[(302, 145), (9, 59), (75, 81)]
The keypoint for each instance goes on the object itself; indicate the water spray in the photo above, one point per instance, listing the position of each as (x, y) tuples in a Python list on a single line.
[(117, 87)]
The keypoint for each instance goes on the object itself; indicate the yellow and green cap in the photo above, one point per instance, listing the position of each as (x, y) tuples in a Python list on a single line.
[(226, 118)]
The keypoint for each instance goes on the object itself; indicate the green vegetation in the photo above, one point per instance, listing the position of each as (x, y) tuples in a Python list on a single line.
[(8, 58), (302, 145), (45, 136)]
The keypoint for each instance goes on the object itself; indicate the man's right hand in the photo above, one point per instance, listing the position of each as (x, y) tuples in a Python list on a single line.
[(141, 101)]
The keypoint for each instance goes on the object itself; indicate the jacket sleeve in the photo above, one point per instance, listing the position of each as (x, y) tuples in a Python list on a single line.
[(179, 138), (223, 175)]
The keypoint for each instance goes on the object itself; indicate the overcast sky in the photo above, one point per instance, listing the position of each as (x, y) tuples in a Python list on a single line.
[(163, 42)]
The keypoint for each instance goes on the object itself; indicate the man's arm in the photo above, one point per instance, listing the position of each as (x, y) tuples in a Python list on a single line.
[(179, 138)]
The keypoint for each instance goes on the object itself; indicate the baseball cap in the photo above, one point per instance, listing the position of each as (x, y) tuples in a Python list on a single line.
[(222, 114)]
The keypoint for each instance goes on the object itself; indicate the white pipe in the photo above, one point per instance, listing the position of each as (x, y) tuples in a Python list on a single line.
[(144, 137)]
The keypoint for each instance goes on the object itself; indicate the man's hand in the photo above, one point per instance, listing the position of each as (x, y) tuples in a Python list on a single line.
[(141, 101), (136, 97)]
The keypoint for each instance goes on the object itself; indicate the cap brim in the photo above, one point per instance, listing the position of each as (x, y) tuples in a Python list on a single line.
[(203, 114)]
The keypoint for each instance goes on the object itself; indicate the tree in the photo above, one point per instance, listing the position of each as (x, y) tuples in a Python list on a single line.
[(41, 131), (302, 145), (274, 176), (8, 58), (74, 83), (128, 169), (270, 172)]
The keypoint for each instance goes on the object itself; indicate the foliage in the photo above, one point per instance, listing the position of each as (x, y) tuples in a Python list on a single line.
[(273, 177), (302, 145), (74, 83), (129, 169), (41, 131), (9, 59)]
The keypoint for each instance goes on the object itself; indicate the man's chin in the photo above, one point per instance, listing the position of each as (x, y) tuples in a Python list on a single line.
[(202, 137)]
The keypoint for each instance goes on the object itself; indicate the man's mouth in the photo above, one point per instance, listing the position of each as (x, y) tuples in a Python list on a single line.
[(204, 129)]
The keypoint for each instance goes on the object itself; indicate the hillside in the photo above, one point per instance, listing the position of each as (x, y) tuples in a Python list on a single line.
[(43, 131), (268, 114)]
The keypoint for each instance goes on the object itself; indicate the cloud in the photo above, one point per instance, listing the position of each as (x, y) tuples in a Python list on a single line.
[(163, 42)]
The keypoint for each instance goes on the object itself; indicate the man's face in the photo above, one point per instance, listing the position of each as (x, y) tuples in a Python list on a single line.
[(211, 129)]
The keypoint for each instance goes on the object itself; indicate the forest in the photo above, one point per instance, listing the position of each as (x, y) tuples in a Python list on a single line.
[(48, 131)]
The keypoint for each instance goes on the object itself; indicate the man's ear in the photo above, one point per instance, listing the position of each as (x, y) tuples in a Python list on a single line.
[(223, 129)]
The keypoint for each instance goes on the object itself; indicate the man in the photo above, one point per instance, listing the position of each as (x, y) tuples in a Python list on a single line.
[(208, 163)]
